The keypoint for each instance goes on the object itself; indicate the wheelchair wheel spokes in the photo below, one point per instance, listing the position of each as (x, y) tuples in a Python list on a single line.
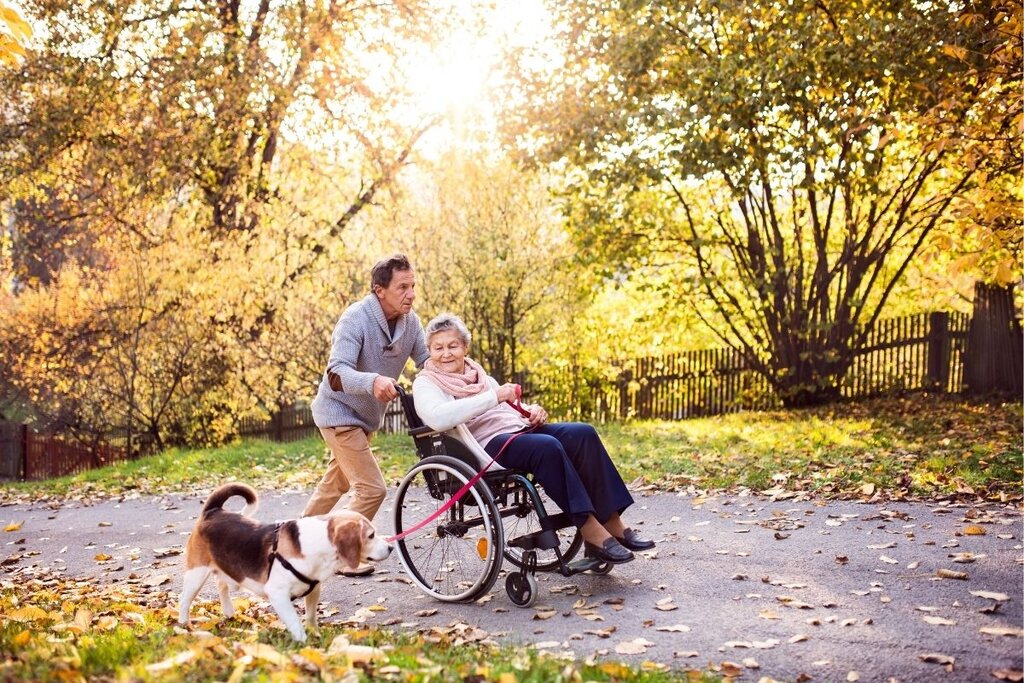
[(520, 518), (456, 557)]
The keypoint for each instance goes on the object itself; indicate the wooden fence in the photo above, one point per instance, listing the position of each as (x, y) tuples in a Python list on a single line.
[(294, 423), (25, 454), (911, 353)]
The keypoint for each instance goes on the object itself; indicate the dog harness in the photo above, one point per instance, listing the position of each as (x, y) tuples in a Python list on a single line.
[(274, 555)]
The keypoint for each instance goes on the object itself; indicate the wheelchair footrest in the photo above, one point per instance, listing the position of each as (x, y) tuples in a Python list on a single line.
[(539, 540), (584, 564)]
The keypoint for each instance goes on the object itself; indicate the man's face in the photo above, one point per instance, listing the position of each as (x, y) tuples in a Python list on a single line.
[(396, 299)]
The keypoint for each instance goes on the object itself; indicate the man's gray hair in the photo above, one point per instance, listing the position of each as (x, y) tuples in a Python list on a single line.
[(384, 269), (445, 322)]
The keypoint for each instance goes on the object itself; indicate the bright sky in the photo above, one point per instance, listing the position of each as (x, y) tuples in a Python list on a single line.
[(462, 77)]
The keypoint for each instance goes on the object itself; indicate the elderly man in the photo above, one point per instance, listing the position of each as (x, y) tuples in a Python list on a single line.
[(369, 348)]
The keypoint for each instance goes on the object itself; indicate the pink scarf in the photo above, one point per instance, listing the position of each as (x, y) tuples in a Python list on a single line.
[(470, 382)]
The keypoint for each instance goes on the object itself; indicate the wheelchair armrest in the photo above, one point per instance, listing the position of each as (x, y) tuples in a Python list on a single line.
[(422, 431)]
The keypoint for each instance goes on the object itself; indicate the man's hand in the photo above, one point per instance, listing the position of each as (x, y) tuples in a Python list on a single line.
[(384, 388)]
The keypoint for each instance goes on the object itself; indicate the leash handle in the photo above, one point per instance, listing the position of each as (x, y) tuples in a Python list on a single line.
[(518, 404), (458, 494)]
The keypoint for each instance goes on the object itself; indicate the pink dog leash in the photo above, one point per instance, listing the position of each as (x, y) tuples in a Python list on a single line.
[(476, 477)]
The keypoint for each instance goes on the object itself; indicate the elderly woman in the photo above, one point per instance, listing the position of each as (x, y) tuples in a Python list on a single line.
[(567, 459)]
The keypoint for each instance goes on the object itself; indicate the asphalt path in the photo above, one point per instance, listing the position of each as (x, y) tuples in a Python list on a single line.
[(788, 589)]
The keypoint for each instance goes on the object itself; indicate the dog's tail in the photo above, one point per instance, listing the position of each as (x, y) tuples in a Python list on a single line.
[(224, 493)]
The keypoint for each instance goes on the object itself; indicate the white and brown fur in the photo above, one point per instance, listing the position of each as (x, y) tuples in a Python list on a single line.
[(237, 550)]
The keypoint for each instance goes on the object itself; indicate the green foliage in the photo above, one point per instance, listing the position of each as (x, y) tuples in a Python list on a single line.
[(777, 156)]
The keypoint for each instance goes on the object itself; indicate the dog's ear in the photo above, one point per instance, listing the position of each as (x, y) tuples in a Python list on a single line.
[(347, 537)]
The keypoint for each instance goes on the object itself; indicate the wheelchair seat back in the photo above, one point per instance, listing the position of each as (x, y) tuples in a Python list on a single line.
[(456, 443)]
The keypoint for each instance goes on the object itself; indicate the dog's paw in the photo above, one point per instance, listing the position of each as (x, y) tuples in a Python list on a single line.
[(300, 637)]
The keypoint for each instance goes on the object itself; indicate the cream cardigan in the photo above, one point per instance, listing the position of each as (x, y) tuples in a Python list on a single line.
[(483, 415)]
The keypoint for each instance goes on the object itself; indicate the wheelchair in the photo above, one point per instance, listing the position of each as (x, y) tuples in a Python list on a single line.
[(458, 556)]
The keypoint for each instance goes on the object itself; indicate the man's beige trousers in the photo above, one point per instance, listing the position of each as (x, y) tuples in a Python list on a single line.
[(352, 467)]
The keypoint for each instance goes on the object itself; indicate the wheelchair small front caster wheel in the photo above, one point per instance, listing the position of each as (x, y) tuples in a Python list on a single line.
[(602, 569), (521, 589)]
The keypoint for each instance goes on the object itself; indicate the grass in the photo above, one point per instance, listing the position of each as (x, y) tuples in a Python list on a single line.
[(918, 446), (59, 630)]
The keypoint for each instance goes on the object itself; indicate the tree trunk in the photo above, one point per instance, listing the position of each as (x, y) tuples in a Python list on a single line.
[(993, 362)]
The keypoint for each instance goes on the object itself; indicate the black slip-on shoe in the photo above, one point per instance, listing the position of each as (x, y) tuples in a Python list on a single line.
[(632, 540), (610, 551)]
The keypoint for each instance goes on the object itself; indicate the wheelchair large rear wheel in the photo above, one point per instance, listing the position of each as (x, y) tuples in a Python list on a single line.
[(456, 557), (520, 517)]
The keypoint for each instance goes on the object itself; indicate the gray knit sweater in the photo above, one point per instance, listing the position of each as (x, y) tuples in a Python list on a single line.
[(361, 349)]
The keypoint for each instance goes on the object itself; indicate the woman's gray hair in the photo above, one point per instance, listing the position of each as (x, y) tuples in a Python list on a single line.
[(445, 322)]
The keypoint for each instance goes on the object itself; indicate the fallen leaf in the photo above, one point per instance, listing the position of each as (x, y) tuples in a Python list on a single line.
[(732, 669), (798, 638), (27, 613), (1013, 675), (739, 644), (938, 621), (936, 658), (999, 597), (269, 654), (1002, 631), (171, 662), (965, 558), (637, 646), (765, 644), (601, 632), (14, 526), (676, 628), (974, 530)]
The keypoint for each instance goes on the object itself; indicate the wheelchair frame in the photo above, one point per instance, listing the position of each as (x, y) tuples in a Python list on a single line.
[(458, 556)]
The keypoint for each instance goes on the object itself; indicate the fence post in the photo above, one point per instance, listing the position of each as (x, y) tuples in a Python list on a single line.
[(23, 464), (625, 377), (938, 351), (277, 425)]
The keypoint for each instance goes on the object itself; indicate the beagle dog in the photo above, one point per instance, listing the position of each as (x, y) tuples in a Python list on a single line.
[(281, 562)]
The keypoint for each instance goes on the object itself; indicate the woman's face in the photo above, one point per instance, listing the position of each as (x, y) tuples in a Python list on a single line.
[(448, 351)]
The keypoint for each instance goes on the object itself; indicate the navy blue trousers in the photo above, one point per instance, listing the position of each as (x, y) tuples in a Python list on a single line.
[(570, 462)]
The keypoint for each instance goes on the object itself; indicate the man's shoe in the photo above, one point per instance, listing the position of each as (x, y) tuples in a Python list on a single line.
[(361, 570), (610, 551), (632, 540)]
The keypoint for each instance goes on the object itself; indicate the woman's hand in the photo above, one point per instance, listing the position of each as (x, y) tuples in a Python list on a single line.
[(538, 416), (507, 392)]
